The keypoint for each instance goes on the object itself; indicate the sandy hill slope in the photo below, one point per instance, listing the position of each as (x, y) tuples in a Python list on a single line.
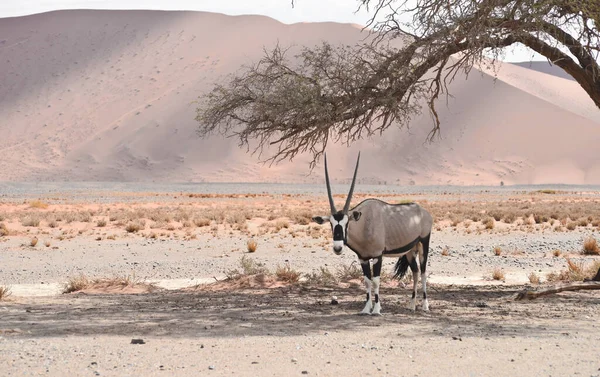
[(108, 96)]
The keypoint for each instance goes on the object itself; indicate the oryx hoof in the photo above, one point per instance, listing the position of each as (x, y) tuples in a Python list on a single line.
[(376, 309), (412, 306), (425, 306)]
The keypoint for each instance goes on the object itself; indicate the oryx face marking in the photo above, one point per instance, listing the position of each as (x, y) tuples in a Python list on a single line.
[(339, 226)]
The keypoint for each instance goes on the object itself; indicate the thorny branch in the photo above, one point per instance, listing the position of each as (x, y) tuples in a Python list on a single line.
[(288, 104)]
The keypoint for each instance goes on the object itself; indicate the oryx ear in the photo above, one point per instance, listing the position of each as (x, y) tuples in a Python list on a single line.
[(320, 220), (356, 215)]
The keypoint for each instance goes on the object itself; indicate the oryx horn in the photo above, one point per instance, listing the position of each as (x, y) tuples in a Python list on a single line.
[(347, 206), (333, 211)]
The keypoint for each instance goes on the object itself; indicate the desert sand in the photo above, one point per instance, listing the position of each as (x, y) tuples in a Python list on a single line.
[(198, 317), (109, 96)]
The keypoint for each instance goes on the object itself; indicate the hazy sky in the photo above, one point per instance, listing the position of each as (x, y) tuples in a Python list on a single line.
[(303, 11)]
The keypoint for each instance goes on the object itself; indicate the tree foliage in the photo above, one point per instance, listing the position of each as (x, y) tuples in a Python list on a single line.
[(295, 104)]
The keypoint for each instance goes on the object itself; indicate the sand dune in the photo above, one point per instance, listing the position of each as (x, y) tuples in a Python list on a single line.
[(107, 96)]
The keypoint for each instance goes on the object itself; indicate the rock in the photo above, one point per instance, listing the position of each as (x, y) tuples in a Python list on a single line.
[(211, 367), (137, 341)]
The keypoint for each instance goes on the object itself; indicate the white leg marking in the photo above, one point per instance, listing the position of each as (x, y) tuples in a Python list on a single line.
[(377, 307), (424, 283), (413, 301), (369, 303)]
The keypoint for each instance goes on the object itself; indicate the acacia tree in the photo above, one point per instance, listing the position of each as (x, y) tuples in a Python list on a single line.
[(297, 104)]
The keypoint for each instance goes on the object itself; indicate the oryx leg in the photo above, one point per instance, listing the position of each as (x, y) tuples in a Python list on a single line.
[(414, 267), (423, 253), (366, 267), (376, 277)]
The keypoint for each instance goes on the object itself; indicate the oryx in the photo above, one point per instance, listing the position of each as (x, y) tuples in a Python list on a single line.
[(375, 229)]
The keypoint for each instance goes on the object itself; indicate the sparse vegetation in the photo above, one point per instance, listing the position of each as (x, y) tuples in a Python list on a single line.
[(134, 226), (576, 271), (349, 272), (590, 246), (38, 204), (287, 275), (323, 277), (534, 278), (489, 223), (33, 242), (497, 251), (3, 230), (498, 274), (556, 252), (445, 251), (251, 246), (81, 282), (101, 223), (4, 292)]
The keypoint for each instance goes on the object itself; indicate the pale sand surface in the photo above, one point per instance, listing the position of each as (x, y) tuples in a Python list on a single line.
[(108, 96), (474, 326)]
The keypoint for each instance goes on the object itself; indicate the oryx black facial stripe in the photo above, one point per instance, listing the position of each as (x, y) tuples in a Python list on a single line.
[(338, 233)]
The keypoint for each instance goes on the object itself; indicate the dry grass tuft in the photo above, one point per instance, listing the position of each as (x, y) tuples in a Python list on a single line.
[(31, 221), (321, 278), (201, 222), (498, 274), (497, 250), (556, 252), (349, 272), (81, 282), (251, 246), (534, 278), (38, 204), (101, 223), (47, 244), (287, 275), (489, 223), (135, 226), (445, 251), (3, 230), (590, 246), (248, 266), (33, 242), (576, 271), (4, 292)]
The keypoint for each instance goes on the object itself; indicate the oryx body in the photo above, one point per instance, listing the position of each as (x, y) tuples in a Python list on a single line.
[(375, 229)]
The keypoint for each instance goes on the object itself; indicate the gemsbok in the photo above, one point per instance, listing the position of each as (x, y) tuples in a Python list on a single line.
[(375, 229)]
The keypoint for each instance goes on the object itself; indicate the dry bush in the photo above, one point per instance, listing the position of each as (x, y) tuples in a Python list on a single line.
[(489, 223), (571, 226), (235, 217), (590, 246), (323, 277), (135, 226), (576, 271), (349, 272), (101, 223), (286, 274), (540, 218), (81, 282), (47, 244), (4, 230), (75, 284), (556, 252), (31, 221), (251, 246), (33, 242), (534, 278), (445, 251), (4, 292), (38, 204), (248, 266), (582, 222), (498, 274), (52, 223), (301, 217), (201, 222), (111, 237), (497, 250)]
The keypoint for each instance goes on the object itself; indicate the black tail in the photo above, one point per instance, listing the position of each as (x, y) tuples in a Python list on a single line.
[(401, 267)]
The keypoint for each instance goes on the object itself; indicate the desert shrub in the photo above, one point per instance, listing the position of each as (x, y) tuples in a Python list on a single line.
[(202, 222), (248, 266), (287, 274), (323, 277), (135, 226), (33, 242), (101, 223), (31, 221), (489, 223), (3, 230), (251, 246), (4, 292), (497, 250), (590, 246), (576, 271), (571, 225), (349, 272), (498, 274), (38, 204), (556, 252), (534, 278)]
